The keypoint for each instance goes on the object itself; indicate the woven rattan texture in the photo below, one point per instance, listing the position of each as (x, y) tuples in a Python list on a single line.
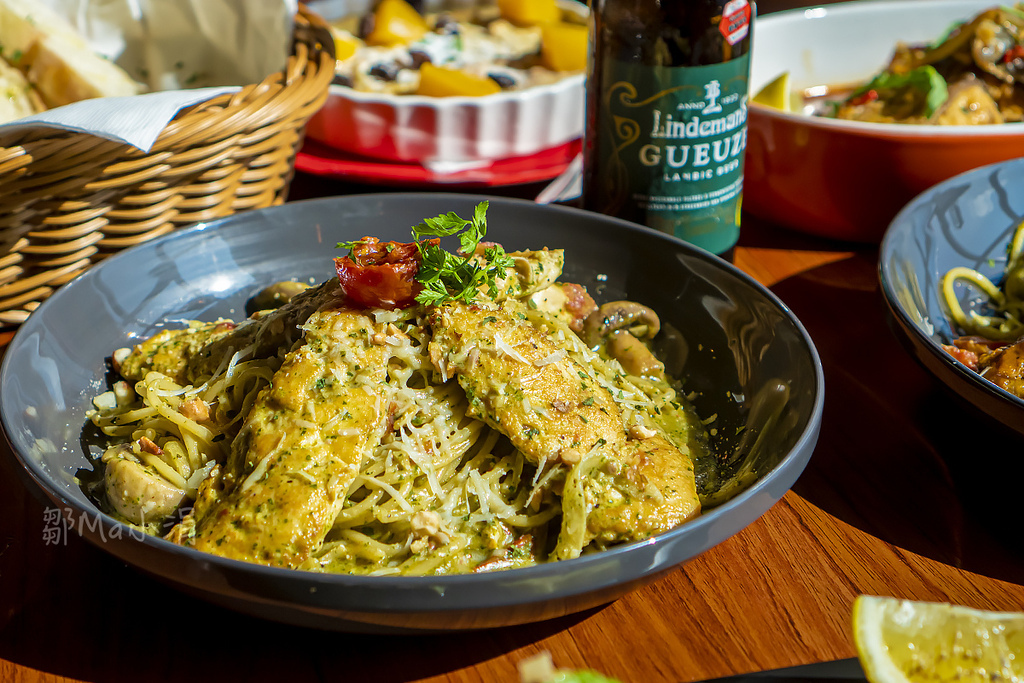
[(69, 200)]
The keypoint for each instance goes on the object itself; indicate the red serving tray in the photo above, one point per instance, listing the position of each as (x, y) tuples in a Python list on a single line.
[(320, 159)]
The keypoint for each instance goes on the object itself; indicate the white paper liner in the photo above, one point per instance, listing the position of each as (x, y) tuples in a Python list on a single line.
[(185, 51)]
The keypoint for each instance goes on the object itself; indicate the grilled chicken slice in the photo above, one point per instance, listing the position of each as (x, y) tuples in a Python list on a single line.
[(531, 271), (299, 449), (662, 478), (138, 492), (170, 351), (522, 382), (194, 353), (644, 487)]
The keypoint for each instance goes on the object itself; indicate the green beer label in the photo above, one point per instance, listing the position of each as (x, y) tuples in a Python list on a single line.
[(675, 158)]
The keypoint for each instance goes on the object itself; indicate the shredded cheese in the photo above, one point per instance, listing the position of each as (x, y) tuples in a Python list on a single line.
[(509, 351), (256, 474), (552, 358)]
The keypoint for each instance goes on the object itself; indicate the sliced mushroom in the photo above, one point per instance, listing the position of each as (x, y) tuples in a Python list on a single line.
[(909, 59), (640, 320), (276, 295), (992, 41), (968, 104), (531, 271), (537, 270), (989, 36), (138, 493), (633, 355)]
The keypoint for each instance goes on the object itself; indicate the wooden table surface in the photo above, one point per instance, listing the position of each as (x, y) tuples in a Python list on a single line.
[(907, 495)]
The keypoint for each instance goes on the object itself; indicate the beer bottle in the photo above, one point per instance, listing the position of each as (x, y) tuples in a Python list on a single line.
[(666, 115)]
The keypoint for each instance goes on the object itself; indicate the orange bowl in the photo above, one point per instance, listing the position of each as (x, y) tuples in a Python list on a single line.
[(848, 179)]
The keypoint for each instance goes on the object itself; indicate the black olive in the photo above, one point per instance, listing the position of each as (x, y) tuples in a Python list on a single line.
[(504, 80), (417, 5), (385, 71), (419, 58), (366, 24), (446, 24), (341, 79)]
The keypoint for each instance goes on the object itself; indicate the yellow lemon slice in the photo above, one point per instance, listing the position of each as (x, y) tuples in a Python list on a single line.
[(776, 94), (903, 640)]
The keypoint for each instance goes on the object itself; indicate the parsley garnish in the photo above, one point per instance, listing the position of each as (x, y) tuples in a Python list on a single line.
[(457, 277), (454, 277)]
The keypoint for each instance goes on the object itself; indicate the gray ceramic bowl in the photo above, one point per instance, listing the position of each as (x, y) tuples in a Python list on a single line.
[(750, 362), (967, 220)]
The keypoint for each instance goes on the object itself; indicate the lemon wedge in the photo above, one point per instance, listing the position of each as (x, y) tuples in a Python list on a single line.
[(904, 640), (776, 94)]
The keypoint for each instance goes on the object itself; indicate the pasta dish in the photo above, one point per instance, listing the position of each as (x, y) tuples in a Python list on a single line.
[(993, 344), (973, 75), (425, 412)]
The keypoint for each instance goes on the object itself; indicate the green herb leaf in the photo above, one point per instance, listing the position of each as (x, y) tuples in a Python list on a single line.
[(457, 277), (924, 79)]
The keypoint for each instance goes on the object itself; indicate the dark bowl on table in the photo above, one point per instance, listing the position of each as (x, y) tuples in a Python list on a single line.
[(750, 362), (969, 221)]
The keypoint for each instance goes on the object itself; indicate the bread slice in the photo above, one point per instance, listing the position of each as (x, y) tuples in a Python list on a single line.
[(55, 58), (17, 97)]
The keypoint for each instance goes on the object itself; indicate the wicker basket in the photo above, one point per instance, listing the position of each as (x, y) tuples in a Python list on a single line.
[(69, 200)]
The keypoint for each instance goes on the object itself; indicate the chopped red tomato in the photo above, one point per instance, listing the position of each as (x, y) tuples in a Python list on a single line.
[(863, 98), (1015, 52), (380, 274), (968, 358)]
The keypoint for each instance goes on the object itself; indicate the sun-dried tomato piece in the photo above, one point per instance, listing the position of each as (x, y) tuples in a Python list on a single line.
[(380, 274)]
